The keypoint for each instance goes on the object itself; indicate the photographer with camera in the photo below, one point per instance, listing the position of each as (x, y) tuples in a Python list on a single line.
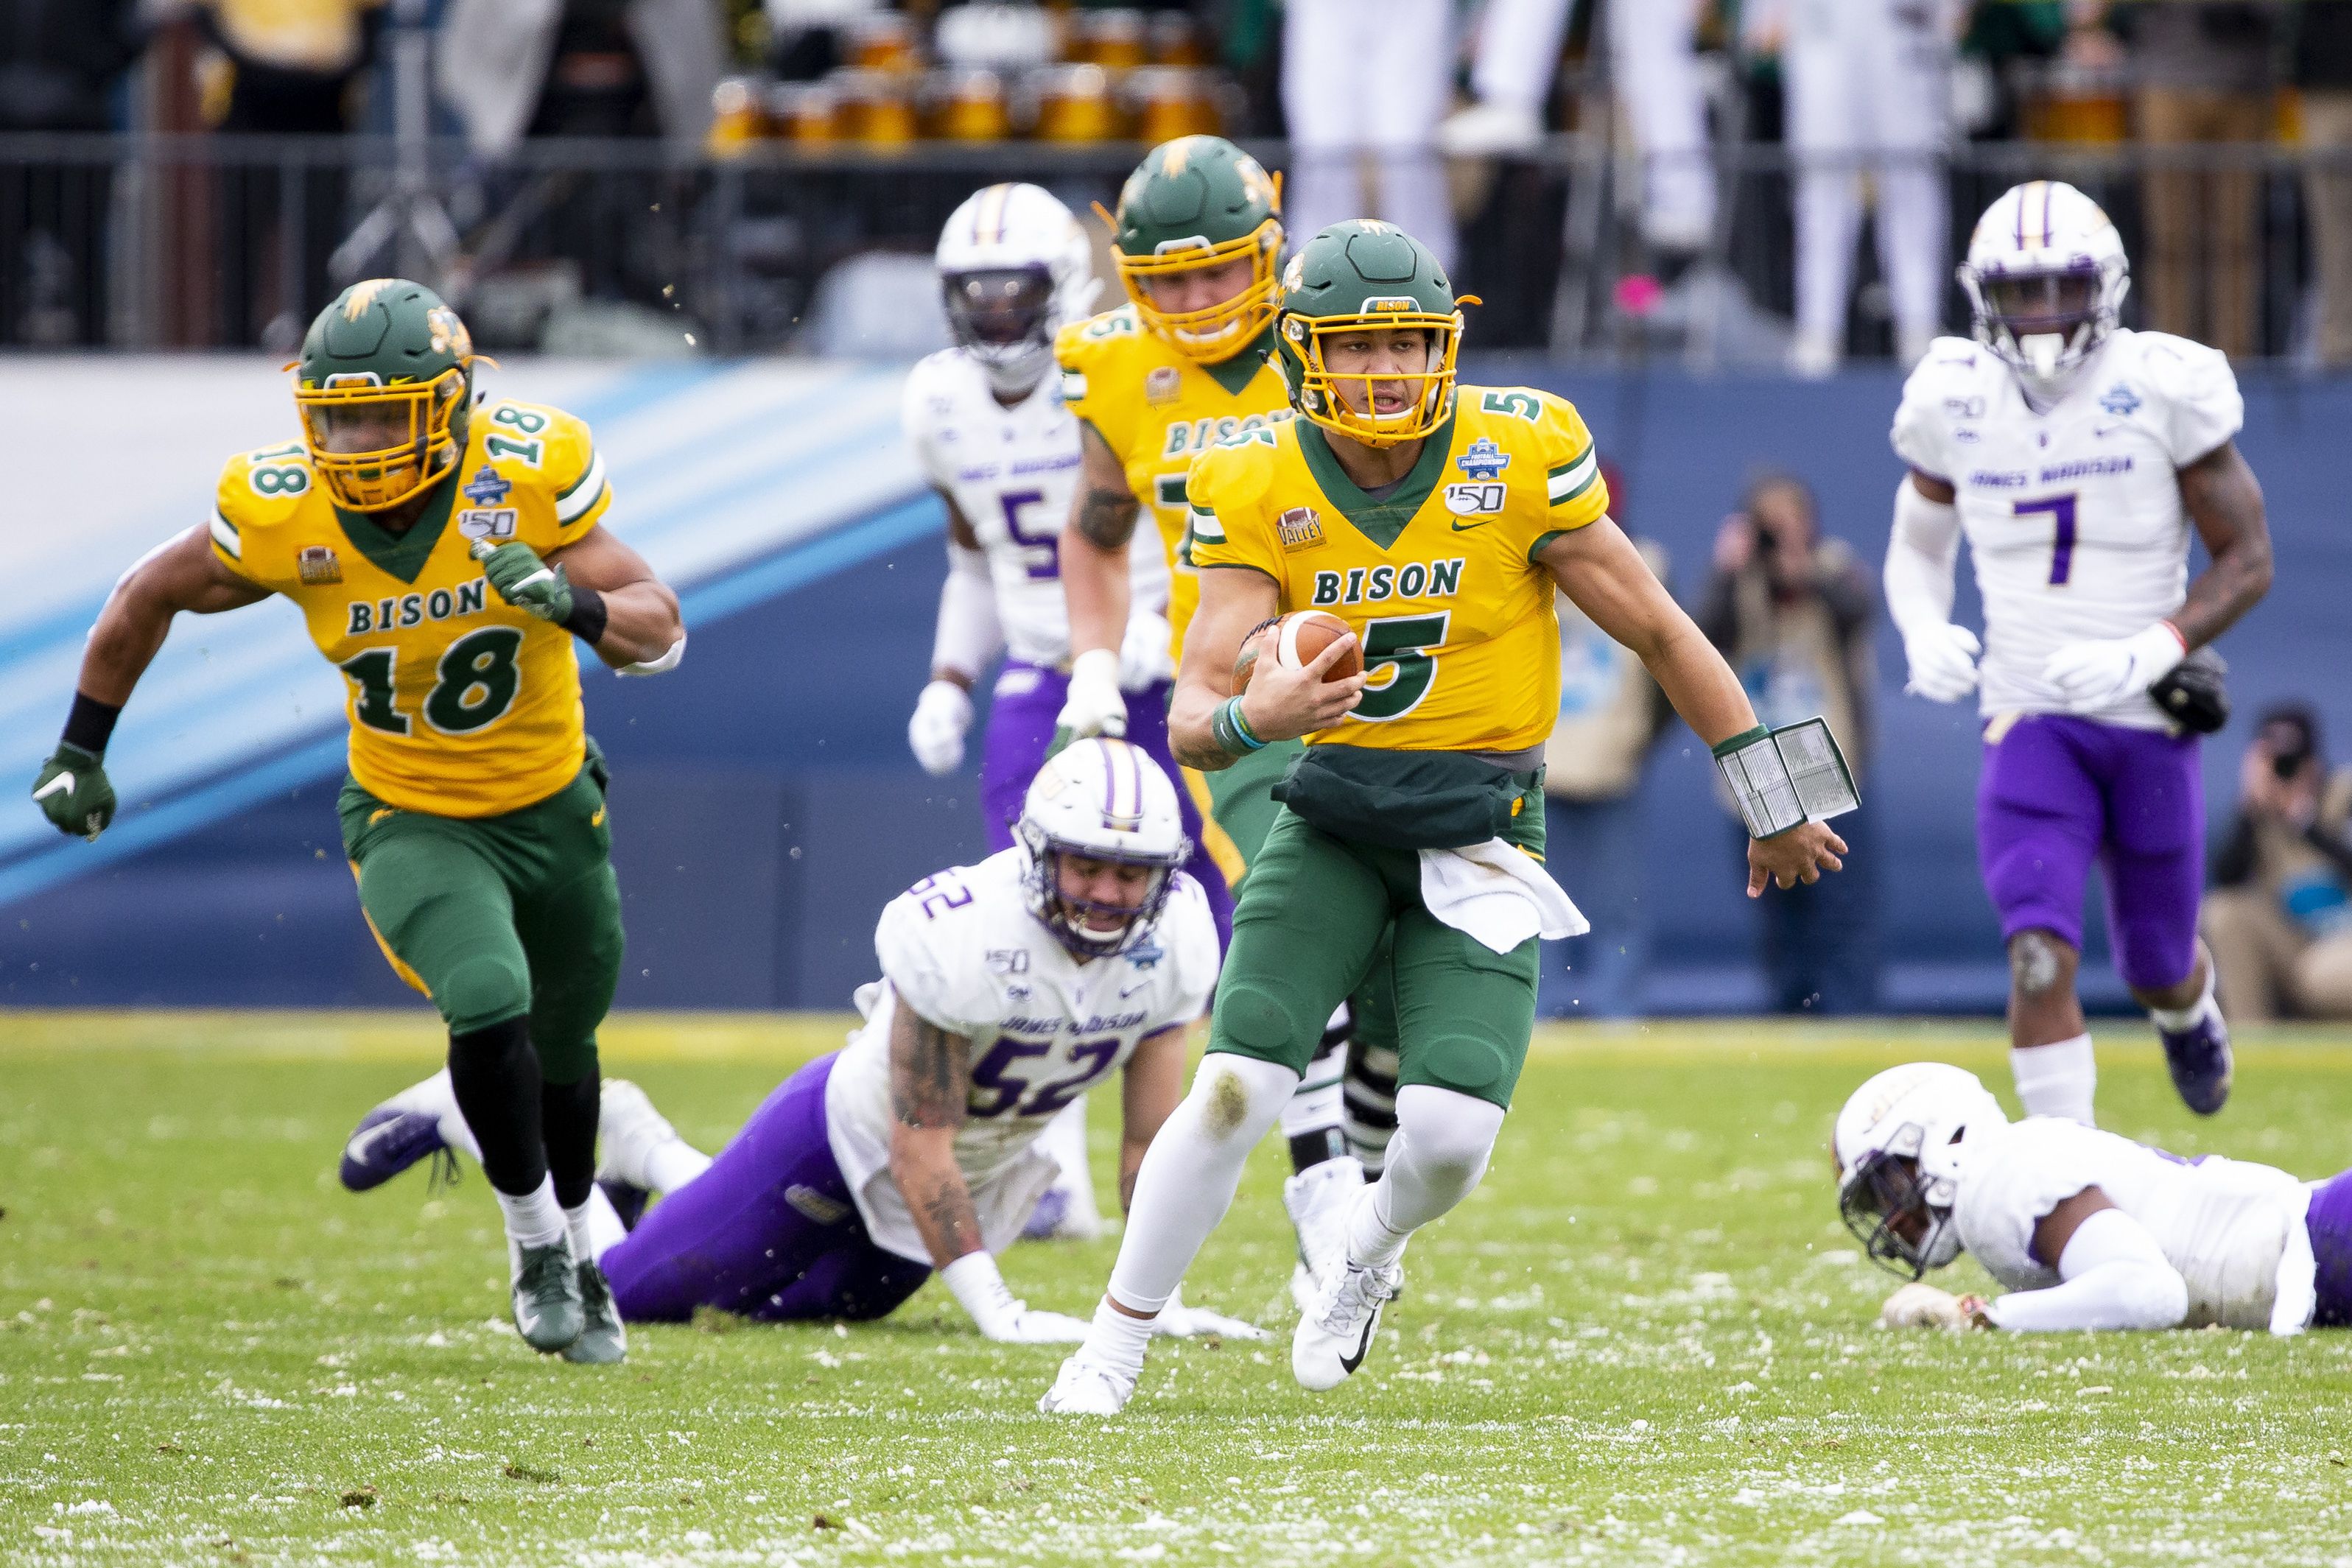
[(1792, 612), (2279, 916)]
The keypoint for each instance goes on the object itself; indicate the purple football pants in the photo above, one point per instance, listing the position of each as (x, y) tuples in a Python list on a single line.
[(2329, 1221), (1021, 714), (769, 1231), (2057, 792)]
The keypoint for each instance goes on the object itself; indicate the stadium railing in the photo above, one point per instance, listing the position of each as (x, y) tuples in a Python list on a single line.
[(200, 241)]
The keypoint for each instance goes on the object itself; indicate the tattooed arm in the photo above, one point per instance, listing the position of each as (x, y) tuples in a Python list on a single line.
[(2225, 501), (930, 1081), (1094, 547)]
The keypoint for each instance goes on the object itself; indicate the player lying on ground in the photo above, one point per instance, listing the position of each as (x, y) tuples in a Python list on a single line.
[(474, 815), (2086, 1229), (989, 429), (2075, 454), (1414, 816), (1008, 988), (1185, 362)]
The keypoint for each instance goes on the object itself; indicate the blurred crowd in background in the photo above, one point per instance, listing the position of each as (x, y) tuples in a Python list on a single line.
[(1741, 181)]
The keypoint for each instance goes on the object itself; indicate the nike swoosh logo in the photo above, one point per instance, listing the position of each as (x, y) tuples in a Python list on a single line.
[(1465, 528), (1126, 991), (598, 820), (1353, 1362), (363, 1144), (62, 784)]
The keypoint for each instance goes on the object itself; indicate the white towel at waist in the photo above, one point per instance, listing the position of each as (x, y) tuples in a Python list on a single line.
[(2298, 1270), (1498, 893)]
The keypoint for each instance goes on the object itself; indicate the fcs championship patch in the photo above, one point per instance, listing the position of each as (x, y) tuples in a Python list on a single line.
[(1301, 527), (1482, 459), (488, 488), (317, 565), (1165, 383)]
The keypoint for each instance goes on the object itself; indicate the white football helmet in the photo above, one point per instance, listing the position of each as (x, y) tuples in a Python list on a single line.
[(1016, 268), (2045, 276), (1105, 799), (1899, 1143)]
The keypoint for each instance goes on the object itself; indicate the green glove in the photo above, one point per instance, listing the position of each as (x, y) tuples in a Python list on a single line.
[(524, 580), (73, 792)]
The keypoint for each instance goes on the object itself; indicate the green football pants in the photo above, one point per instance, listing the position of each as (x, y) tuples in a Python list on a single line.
[(498, 917), (1315, 915), (1242, 803)]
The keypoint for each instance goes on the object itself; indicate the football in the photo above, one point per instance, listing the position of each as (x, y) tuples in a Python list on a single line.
[(1301, 635)]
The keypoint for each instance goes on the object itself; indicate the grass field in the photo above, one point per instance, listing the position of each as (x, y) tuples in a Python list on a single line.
[(1644, 1340)]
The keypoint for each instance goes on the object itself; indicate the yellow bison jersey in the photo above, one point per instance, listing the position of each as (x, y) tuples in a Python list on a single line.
[(1159, 410), (1439, 579), (460, 705)]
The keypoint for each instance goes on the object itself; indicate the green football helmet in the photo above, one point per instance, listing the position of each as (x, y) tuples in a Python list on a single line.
[(1194, 203), (1367, 276), (385, 386)]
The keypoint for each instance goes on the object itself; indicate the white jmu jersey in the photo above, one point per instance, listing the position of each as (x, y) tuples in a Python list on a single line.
[(2073, 517), (2231, 1227), (1012, 472), (963, 951)]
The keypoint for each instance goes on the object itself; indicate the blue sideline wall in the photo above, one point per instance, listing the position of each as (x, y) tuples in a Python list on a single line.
[(765, 806)]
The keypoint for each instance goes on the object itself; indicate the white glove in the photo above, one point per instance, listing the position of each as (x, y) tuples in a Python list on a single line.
[(1943, 660), (1176, 1321), (1143, 658), (1920, 1305), (2094, 674), (1001, 1314), (942, 714), (1094, 706)]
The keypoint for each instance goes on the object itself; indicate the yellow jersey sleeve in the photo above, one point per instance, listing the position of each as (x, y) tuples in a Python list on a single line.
[(1092, 387), (1574, 492), (258, 492), (550, 458), (1226, 496)]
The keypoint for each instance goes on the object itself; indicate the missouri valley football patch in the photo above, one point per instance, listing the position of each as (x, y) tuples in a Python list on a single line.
[(1301, 527), (317, 565)]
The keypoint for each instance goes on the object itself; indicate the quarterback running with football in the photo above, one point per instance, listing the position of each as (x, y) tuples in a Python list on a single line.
[(1439, 523), (2084, 1229), (990, 430), (1183, 364), (2075, 456), (443, 555), (1008, 988)]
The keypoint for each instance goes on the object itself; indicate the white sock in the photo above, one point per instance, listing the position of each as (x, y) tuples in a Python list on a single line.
[(1435, 1161), (534, 1220), (2178, 1018), (2056, 1079), (674, 1164), (437, 1095), (605, 1230), (1116, 1339), (1189, 1174), (582, 1224), (1314, 1105)]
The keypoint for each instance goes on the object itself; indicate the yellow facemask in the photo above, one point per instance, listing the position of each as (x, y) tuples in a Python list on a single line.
[(1320, 387)]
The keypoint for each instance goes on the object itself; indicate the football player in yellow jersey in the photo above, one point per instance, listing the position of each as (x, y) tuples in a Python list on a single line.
[(1183, 364), (1439, 526), (444, 556)]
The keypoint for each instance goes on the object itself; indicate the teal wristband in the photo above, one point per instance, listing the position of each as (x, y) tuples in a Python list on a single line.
[(1232, 730)]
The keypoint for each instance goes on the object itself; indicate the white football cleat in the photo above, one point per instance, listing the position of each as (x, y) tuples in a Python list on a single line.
[(1319, 1199), (1085, 1386), (629, 1130), (1336, 1333)]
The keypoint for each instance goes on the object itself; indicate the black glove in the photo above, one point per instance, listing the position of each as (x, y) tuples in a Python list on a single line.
[(2193, 695)]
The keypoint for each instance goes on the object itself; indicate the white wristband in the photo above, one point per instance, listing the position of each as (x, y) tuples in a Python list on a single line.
[(982, 1291)]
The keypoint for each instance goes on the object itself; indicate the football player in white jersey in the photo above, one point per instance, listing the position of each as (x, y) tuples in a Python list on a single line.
[(1008, 988), (2083, 1228), (2075, 456), (989, 429)]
